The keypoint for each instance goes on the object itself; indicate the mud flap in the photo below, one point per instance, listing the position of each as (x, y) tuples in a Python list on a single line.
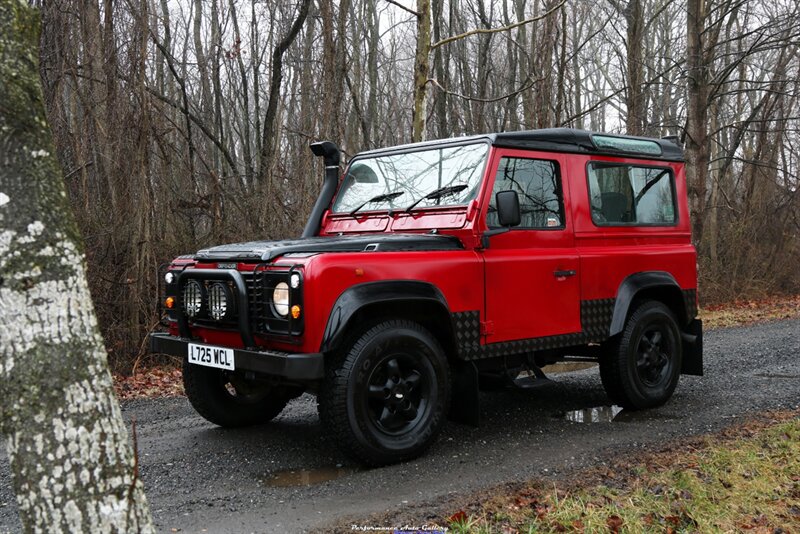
[(692, 339), (465, 405)]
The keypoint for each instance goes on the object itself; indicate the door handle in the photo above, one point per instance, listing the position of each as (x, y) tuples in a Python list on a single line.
[(563, 274)]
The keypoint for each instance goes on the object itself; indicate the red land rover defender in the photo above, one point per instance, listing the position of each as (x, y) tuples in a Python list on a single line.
[(432, 269)]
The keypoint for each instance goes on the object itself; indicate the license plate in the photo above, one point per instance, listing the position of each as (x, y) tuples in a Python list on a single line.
[(218, 357)]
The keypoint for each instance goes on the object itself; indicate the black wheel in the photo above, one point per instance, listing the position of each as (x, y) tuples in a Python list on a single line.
[(227, 399), (385, 398), (642, 367)]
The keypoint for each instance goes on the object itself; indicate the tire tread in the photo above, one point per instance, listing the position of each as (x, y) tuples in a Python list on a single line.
[(613, 364), (332, 397), (215, 408)]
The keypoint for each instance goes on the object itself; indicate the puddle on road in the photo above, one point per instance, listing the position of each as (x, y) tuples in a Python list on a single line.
[(774, 375), (305, 477), (598, 414), (567, 367)]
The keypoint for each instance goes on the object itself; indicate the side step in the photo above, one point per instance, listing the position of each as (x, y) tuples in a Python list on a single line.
[(534, 379)]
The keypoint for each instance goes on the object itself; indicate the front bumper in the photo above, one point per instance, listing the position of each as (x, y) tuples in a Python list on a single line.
[(309, 366)]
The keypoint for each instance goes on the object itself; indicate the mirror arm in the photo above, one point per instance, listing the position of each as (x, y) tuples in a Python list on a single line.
[(489, 233)]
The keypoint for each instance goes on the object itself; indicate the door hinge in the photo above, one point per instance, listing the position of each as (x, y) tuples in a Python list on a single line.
[(487, 328)]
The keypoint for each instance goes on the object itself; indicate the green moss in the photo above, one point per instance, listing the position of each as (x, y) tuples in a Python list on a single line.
[(30, 174), (19, 46)]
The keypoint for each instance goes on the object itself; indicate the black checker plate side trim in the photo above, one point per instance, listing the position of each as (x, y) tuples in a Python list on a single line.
[(596, 318), (595, 323), (467, 326), (690, 302)]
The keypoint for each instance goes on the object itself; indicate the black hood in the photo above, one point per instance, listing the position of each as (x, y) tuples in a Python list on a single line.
[(268, 250)]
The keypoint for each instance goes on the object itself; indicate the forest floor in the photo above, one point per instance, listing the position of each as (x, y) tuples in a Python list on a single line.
[(165, 380)]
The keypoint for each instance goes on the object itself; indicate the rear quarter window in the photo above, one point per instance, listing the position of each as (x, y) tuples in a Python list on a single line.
[(623, 194)]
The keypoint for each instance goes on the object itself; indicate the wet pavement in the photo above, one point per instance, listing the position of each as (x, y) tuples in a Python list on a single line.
[(306, 477), (286, 476)]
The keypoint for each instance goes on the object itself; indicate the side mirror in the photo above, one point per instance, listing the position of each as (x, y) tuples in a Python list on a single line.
[(508, 212)]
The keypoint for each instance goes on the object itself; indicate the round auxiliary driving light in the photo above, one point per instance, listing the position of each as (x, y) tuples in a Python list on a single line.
[(280, 299), (192, 298), (220, 301)]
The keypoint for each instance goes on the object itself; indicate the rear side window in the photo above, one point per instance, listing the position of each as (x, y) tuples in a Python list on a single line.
[(624, 194), (538, 186)]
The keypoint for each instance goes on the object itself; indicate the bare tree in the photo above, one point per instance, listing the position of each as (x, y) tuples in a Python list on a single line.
[(268, 137), (73, 468)]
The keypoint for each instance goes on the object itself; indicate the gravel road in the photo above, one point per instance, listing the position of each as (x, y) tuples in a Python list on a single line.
[(200, 478)]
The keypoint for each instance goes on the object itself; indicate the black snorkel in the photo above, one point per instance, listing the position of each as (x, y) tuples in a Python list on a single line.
[(332, 156)]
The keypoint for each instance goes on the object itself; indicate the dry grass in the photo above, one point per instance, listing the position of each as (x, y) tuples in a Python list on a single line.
[(748, 481)]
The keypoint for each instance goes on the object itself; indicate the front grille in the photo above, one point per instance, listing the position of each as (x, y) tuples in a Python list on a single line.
[(257, 299)]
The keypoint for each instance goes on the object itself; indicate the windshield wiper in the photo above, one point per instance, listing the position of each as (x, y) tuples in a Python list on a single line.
[(380, 198), (438, 193)]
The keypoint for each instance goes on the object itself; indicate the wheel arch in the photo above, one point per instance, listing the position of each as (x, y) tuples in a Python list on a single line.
[(648, 285), (371, 302)]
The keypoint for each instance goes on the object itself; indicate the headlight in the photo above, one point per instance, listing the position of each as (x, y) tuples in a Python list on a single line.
[(192, 298), (220, 301), (280, 299)]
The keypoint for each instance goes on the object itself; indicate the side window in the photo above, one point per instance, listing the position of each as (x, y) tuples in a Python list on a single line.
[(538, 185), (623, 194)]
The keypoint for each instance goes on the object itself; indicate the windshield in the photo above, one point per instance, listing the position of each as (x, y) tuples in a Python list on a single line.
[(372, 180)]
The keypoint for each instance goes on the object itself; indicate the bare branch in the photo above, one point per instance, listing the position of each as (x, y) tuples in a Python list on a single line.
[(496, 30), (404, 8), (525, 87)]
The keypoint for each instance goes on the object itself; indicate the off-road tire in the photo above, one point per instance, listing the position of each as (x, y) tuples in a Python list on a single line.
[(381, 412), (642, 365), (227, 400)]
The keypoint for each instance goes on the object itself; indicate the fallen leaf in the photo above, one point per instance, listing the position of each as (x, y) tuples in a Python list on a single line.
[(458, 517), (614, 523)]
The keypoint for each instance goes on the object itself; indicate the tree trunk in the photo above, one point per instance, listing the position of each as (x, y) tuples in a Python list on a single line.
[(697, 92), (73, 468), (268, 137), (634, 17), (421, 69), (440, 104)]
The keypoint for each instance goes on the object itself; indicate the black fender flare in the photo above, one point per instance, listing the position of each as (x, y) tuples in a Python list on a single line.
[(628, 290), (357, 297)]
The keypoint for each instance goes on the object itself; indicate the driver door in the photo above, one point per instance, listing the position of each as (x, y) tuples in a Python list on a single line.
[(531, 271)]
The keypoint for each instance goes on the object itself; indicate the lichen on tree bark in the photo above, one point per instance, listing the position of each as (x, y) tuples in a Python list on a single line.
[(72, 465)]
